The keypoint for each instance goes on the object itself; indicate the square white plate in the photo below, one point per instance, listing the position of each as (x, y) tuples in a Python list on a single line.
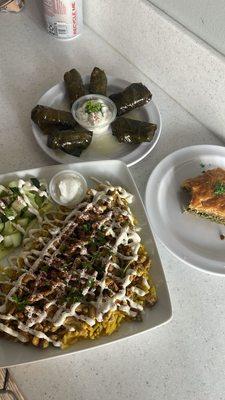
[(116, 172)]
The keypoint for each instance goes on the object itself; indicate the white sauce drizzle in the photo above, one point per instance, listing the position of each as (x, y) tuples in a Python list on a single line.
[(126, 235), (13, 333)]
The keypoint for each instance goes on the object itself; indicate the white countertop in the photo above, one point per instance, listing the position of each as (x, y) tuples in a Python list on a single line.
[(181, 360)]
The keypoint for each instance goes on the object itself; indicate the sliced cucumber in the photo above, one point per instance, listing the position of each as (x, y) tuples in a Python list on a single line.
[(33, 224), (16, 239), (15, 191), (13, 240), (23, 212), (15, 219), (23, 222), (39, 200), (31, 196), (10, 213), (13, 184), (18, 205), (2, 189), (35, 182), (3, 217), (3, 251), (8, 241), (27, 214), (8, 228)]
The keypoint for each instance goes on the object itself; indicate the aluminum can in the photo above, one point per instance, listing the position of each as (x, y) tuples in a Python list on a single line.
[(64, 18)]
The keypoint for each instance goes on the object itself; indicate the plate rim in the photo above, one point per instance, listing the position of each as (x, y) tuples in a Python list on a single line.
[(127, 159), (149, 189)]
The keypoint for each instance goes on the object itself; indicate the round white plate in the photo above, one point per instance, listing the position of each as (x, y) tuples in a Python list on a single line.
[(192, 239), (104, 146)]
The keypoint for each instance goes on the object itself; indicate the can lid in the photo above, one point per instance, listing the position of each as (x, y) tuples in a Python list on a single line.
[(4, 3)]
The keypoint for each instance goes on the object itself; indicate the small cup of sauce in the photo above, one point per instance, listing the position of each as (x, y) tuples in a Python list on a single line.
[(68, 188), (94, 112)]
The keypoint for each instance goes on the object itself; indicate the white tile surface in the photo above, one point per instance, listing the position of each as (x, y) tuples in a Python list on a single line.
[(182, 360), (180, 63)]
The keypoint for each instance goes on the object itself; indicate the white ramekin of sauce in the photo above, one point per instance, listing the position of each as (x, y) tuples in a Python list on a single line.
[(94, 112), (68, 188)]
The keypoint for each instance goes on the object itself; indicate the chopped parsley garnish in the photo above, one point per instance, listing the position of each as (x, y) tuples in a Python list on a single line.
[(87, 227), (87, 264), (74, 295), (95, 255), (122, 272), (35, 182), (219, 188), (63, 247), (21, 303), (93, 106), (101, 239), (91, 282), (45, 268)]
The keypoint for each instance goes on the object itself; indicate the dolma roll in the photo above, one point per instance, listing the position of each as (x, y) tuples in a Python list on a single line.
[(72, 141), (98, 82), (74, 85), (46, 116), (135, 95), (132, 131)]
